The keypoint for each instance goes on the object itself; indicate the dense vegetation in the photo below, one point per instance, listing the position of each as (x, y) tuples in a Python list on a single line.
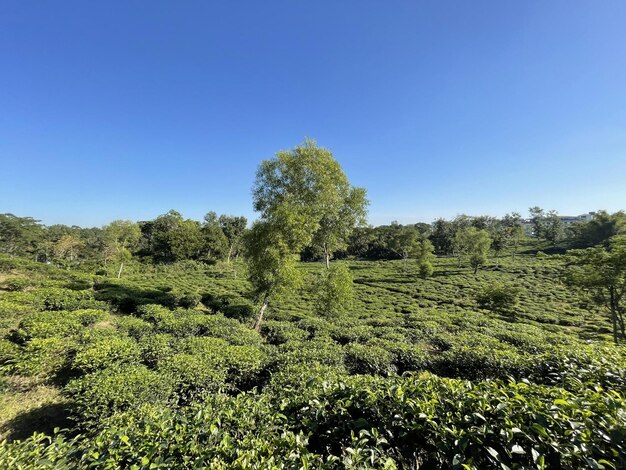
[(172, 343)]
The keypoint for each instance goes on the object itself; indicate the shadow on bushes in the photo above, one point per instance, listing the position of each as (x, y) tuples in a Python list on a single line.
[(43, 419), (126, 298)]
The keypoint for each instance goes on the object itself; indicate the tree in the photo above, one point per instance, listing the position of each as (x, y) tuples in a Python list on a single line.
[(513, 230), (309, 182), (548, 226), (479, 243), (301, 195), (442, 236), (425, 256), (333, 291), (233, 228), (214, 241), (20, 236), (405, 242), (601, 274), (537, 219), (68, 248), (121, 237), (474, 243), (600, 229), (553, 228), (271, 262), (461, 243)]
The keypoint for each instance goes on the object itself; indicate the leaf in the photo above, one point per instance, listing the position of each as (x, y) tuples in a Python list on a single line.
[(517, 449), (493, 452), (535, 454)]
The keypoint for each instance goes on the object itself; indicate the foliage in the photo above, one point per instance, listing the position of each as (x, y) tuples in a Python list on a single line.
[(602, 274), (498, 297), (333, 291)]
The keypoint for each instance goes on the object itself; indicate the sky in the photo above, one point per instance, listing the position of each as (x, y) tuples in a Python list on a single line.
[(125, 110)]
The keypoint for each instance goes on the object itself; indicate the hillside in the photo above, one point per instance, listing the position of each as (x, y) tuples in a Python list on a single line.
[(162, 368)]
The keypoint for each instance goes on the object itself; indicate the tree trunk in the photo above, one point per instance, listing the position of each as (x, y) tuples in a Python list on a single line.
[(475, 269), (119, 273), (257, 323), (230, 252), (326, 256)]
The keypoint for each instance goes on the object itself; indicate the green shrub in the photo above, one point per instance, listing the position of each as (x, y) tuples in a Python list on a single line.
[(89, 316), (16, 284), (103, 393), (155, 314), (9, 352), (48, 324), (443, 423), (48, 358), (365, 359), (56, 298), (321, 351), (194, 375), (498, 297), (106, 353), (155, 348), (188, 299), (134, 327), (279, 332)]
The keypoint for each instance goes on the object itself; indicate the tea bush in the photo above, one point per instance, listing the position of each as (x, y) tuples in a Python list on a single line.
[(103, 393)]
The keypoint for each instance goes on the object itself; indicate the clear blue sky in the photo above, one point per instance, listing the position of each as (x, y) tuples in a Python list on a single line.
[(128, 109)]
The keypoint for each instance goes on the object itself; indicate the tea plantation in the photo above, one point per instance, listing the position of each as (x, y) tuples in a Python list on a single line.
[(162, 369)]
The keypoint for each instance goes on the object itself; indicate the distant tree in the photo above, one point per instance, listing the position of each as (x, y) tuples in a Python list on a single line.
[(547, 226), (405, 242), (600, 229), (215, 244), (537, 219), (121, 237), (233, 228), (461, 243), (478, 249), (359, 242), (442, 236), (601, 274), (513, 230), (473, 243), (425, 256), (68, 249), (553, 228), (186, 241), (20, 236), (170, 238), (333, 291)]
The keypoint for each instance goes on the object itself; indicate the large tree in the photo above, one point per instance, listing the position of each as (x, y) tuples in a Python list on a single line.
[(303, 197), (310, 182)]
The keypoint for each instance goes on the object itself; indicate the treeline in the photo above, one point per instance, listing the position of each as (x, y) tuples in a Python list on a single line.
[(166, 239), (451, 237), (170, 238)]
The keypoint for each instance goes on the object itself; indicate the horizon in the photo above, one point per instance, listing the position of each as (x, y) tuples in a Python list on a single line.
[(437, 109)]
